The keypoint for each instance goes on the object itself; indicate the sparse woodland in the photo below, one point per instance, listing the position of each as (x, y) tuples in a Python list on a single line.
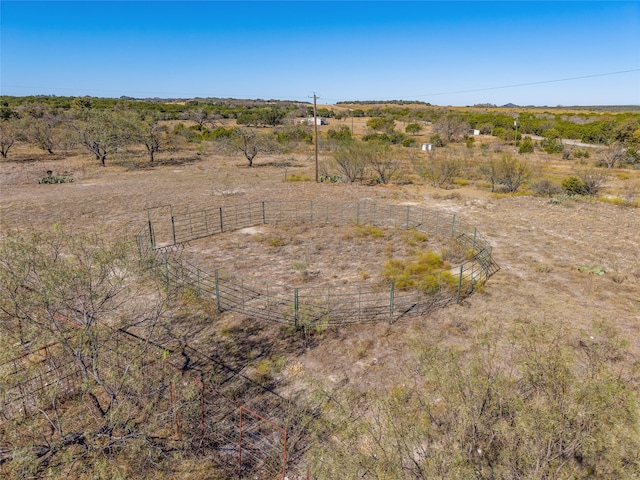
[(109, 371)]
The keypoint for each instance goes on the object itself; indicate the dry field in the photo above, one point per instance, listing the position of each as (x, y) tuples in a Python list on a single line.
[(539, 245)]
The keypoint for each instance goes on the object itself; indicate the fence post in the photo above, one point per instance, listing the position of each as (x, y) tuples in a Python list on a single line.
[(295, 308), (240, 446), (217, 289), (264, 217), (242, 289), (460, 283), (407, 226), (221, 224), (166, 268), (151, 235), (391, 299), (453, 225), (173, 229)]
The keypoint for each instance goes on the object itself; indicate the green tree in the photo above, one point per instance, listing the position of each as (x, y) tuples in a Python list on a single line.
[(413, 128), (381, 124)]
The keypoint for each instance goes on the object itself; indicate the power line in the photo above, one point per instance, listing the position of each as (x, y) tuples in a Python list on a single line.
[(402, 96), (529, 83), (515, 85)]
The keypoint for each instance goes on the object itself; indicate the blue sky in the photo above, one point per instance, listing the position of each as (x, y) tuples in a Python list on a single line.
[(444, 53)]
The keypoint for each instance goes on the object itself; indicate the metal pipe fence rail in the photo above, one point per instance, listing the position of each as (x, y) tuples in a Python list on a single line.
[(325, 305)]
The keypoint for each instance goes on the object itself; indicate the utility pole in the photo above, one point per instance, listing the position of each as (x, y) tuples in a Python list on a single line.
[(315, 124)]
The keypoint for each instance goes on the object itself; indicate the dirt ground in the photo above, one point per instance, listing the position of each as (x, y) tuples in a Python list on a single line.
[(547, 251)]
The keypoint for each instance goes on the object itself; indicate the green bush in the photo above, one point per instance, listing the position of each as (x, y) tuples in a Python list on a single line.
[(526, 146), (426, 272), (553, 145), (500, 132), (581, 153), (573, 186), (342, 134), (436, 140), (51, 179), (219, 132), (409, 142)]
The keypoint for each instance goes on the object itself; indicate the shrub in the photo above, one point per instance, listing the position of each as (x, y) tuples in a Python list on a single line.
[(592, 179), (409, 142), (219, 132), (545, 188), (426, 272), (436, 140), (342, 134), (51, 179), (553, 145), (581, 153), (588, 182), (500, 132), (508, 173), (573, 186), (440, 172), (526, 146)]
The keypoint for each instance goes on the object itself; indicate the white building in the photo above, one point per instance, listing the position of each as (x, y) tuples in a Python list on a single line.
[(319, 121)]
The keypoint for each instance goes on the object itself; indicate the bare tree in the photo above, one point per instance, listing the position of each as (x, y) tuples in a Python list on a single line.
[(9, 133), (44, 131), (352, 160), (381, 161), (102, 131), (202, 117), (613, 155), (249, 143), (441, 172), (151, 134), (450, 128), (508, 172)]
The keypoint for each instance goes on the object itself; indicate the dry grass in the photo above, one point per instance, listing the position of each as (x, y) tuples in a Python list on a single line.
[(539, 245)]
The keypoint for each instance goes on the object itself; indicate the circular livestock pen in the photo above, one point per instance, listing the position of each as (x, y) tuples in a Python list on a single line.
[(309, 305)]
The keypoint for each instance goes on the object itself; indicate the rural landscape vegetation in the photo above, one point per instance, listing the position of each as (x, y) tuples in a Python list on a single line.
[(109, 368)]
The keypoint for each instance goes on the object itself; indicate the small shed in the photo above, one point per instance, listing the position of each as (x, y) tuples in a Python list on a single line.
[(319, 121), (427, 147)]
